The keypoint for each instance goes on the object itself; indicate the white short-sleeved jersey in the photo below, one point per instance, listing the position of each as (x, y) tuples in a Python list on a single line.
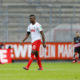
[(35, 31)]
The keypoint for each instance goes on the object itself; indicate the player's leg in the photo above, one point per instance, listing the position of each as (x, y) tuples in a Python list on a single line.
[(79, 55), (75, 53), (38, 60), (79, 58), (32, 56), (74, 60), (30, 61), (37, 55), (74, 57), (34, 52)]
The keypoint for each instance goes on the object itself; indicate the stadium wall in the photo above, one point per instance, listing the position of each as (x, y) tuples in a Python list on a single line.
[(62, 33)]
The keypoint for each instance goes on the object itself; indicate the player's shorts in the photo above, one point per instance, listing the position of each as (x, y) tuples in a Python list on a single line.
[(36, 45), (77, 50)]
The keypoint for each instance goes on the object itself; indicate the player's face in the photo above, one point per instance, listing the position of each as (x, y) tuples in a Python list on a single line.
[(77, 34), (32, 19)]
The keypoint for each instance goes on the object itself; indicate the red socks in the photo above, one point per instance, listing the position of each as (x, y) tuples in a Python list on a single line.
[(39, 61), (30, 61)]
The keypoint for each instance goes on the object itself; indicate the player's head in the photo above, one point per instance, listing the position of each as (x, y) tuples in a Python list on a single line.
[(32, 19), (77, 34)]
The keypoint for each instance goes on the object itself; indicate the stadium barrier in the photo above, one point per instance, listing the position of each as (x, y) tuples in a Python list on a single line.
[(5, 56), (53, 51)]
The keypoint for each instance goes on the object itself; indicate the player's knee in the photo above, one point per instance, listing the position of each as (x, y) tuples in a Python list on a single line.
[(35, 52)]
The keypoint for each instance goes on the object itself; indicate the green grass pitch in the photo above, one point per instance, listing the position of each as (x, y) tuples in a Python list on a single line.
[(52, 71)]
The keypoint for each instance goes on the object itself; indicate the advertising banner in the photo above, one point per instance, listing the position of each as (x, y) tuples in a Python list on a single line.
[(5, 56), (53, 51)]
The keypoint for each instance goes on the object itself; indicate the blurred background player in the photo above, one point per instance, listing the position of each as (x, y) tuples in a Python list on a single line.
[(76, 44), (36, 31), (1, 46)]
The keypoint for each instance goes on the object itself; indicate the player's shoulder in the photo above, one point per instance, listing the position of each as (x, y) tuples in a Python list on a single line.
[(38, 24)]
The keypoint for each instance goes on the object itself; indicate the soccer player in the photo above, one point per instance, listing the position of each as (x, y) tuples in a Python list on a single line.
[(76, 47), (36, 31), (1, 46)]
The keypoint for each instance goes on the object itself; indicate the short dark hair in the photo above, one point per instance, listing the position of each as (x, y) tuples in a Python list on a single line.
[(32, 15), (77, 32), (9, 47)]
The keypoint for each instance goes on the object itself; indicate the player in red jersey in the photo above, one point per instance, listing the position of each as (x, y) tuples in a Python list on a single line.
[(36, 31)]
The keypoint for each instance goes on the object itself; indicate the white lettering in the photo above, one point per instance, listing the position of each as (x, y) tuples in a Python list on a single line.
[(53, 51), (3, 56), (60, 49), (20, 50)]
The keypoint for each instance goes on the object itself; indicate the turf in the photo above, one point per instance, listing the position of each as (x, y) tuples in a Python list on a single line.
[(52, 71)]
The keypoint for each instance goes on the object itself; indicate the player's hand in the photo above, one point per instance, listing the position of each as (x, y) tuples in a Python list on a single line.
[(44, 45), (21, 42)]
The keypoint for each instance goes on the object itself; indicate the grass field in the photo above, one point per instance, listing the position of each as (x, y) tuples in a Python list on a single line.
[(52, 71)]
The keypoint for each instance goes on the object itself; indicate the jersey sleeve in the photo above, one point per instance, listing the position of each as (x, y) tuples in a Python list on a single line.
[(28, 29), (40, 28)]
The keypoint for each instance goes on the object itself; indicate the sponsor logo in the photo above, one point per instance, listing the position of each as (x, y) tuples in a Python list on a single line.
[(32, 30)]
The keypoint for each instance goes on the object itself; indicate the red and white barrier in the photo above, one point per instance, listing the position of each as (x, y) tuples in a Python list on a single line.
[(53, 51), (5, 56)]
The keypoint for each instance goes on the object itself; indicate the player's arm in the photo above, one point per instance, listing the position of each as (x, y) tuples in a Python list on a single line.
[(72, 44), (43, 39), (27, 35)]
